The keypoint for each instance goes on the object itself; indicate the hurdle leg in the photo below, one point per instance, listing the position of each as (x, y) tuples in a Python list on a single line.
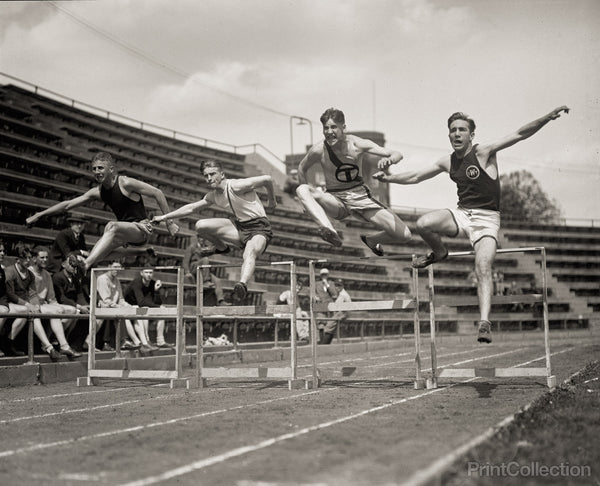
[(419, 381), (551, 379), (432, 382)]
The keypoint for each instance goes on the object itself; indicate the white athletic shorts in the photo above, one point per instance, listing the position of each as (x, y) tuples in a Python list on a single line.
[(476, 223), (355, 200)]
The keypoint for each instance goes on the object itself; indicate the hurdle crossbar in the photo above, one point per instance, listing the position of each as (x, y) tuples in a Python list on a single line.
[(465, 301), (289, 373), (175, 376)]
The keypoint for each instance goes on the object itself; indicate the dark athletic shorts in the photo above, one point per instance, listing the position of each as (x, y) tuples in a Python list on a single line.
[(257, 226)]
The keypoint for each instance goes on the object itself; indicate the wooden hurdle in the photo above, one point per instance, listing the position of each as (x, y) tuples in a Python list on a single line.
[(436, 373), (176, 377), (290, 373), (402, 304)]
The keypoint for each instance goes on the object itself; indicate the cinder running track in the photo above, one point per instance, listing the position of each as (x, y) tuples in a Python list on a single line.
[(364, 426)]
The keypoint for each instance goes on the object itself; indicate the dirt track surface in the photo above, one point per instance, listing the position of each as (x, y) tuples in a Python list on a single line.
[(368, 428)]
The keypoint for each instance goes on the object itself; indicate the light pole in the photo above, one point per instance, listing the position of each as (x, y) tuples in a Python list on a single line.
[(301, 121)]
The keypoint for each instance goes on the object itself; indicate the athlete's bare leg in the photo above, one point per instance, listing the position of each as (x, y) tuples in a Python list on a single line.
[(254, 248), (485, 254), (221, 232), (116, 234), (432, 226), (393, 229)]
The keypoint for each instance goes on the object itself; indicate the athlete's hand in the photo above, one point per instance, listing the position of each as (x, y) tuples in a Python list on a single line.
[(157, 219), (271, 204), (554, 114), (381, 176), (31, 220), (172, 228)]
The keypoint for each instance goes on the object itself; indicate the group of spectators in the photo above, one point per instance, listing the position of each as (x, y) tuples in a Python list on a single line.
[(327, 322), (51, 281)]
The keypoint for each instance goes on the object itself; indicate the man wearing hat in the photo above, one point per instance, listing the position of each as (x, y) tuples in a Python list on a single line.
[(68, 241), (325, 293)]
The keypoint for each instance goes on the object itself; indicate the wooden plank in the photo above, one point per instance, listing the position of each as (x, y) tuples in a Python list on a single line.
[(142, 312), (365, 305), (260, 372), (141, 374), (490, 372), (246, 310), (497, 299)]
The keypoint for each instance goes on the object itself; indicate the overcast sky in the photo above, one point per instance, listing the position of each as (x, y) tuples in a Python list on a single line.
[(236, 70)]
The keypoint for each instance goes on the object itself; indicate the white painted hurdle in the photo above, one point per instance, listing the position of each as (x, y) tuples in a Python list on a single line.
[(402, 304), (436, 373), (202, 373), (176, 377)]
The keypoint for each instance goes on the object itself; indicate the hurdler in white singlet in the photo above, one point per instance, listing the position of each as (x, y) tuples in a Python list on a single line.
[(243, 209)]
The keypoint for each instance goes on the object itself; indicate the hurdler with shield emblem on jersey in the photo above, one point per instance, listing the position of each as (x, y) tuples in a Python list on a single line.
[(341, 158)]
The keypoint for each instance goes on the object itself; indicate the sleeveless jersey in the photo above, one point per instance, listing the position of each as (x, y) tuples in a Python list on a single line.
[(342, 173), (475, 188), (125, 209), (242, 209)]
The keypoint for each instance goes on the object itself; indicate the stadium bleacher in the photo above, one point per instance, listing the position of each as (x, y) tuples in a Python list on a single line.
[(47, 145)]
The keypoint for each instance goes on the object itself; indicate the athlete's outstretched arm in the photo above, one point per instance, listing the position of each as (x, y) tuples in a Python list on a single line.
[(61, 207), (183, 211), (525, 131), (311, 158), (415, 176)]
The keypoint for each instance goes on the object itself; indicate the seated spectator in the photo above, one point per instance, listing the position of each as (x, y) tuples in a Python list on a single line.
[(325, 293), (196, 255), (69, 290), (110, 294), (302, 324), (143, 291), (498, 282), (331, 326), (472, 278), (47, 300), (291, 183), (3, 297), (514, 289), (69, 240), (22, 297)]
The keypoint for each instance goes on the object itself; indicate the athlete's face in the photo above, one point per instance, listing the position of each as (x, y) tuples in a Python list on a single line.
[(102, 170), (460, 135), (333, 132), (213, 176)]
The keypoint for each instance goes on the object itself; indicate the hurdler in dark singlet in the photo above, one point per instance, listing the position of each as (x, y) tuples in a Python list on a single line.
[(476, 189), (125, 209)]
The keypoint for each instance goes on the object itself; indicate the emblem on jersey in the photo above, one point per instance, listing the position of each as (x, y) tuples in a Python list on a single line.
[(472, 172), (347, 173)]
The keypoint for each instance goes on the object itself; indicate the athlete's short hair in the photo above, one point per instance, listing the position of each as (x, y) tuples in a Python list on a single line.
[(103, 157), (335, 114), (211, 163), (459, 115)]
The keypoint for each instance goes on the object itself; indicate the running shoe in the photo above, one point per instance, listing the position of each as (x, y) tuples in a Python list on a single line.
[(330, 236), (485, 332), (377, 249), (427, 260), (240, 291)]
